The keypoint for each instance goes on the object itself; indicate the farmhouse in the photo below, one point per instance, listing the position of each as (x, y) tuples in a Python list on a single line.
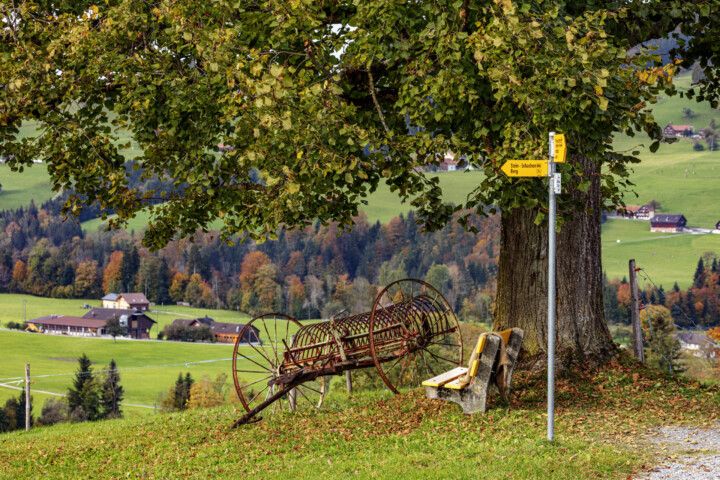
[(229, 332), (646, 212), (110, 300), (68, 325), (128, 301), (695, 345), (222, 332), (186, 322), (678, 130), (135, 301), (137, 323), (667, 223), (627, 212)]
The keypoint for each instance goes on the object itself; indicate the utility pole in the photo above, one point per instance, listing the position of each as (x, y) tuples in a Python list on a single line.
[(27, 397), (635, 314)]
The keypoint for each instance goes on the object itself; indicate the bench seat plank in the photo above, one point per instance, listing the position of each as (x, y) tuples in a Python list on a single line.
[(444, 378), (456, 384)]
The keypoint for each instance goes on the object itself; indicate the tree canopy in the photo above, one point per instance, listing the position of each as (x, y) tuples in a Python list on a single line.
[(323, 100), (276, 114)]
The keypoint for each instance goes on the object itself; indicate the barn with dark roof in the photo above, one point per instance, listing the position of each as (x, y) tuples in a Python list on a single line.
[(668, 223)]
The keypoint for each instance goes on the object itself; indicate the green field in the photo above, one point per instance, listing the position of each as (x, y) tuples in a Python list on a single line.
[(682, 180), (153, 364), (664, 257), (12, 310), (602, 420), (19, 188), (147, 368)]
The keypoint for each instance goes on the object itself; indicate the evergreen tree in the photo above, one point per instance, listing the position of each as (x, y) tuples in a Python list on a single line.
[(180, 392), (83, 396), (663, 350), (90, 396), (4, 421), (128, 269), (714, 268), (112, 393), (14, 413), (699, 277)]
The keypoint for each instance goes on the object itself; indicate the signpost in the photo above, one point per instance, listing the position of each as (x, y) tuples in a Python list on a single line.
[(546, 168), (525, 168), (551, 290)]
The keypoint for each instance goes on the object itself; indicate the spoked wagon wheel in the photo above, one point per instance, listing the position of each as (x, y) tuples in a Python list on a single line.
[(414, 335), (258, 360)]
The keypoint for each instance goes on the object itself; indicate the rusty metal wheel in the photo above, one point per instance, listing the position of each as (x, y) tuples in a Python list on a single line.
[(414, 335), (258, 360)]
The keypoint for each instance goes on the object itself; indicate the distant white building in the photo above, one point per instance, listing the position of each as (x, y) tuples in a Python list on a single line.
[(695, 344)]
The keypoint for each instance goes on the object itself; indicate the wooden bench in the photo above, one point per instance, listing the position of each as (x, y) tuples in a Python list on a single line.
[(489, 367)]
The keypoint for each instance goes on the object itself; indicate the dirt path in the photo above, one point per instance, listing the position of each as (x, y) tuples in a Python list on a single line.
[(693, 453)]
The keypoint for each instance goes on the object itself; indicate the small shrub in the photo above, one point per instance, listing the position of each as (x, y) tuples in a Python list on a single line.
[(16, 325), (54, 411), (78, 415)]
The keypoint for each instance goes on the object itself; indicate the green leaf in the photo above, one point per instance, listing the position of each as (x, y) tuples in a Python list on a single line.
[(602, 103), (187, 36)]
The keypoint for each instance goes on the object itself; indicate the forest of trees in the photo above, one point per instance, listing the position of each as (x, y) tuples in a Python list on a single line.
[(698, 306), (309, 273)]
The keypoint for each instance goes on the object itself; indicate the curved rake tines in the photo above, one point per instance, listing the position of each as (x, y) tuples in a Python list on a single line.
[(414, 334), (258, 359)]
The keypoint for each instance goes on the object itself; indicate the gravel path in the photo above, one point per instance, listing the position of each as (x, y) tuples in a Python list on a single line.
[(693, 454)]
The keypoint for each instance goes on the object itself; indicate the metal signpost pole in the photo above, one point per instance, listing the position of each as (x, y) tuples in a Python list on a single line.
[(542, 168), (551, 293)]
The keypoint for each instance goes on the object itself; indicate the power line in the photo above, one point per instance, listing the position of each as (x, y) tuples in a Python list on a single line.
[(186, 364), (675, 307)]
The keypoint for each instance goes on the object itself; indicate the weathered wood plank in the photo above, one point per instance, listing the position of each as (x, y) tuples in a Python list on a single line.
[(444, 378)]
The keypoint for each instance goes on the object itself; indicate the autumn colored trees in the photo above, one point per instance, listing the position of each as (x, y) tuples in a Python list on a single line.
[(698, 306)]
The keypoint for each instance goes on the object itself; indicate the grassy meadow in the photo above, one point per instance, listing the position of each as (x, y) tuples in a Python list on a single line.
[(602, 419), (19, 188), (664, 257), (12, 310), (153, 365), (147, 368)]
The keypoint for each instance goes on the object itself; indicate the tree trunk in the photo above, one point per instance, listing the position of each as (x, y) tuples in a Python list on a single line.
[(583, 338)]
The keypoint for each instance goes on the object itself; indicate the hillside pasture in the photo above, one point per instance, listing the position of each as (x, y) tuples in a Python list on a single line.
[(602, 420), (147, 368), (12, 310), (19, 188), (664, 257)]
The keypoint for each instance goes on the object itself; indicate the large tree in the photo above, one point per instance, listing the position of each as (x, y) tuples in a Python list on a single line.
[(277, 113)]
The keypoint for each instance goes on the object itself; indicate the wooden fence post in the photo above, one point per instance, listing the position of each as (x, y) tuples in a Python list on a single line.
[(635, 315), (348, 382), (27, 397)]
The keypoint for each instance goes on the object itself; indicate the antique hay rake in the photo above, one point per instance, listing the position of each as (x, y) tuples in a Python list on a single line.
[(410, 333)]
